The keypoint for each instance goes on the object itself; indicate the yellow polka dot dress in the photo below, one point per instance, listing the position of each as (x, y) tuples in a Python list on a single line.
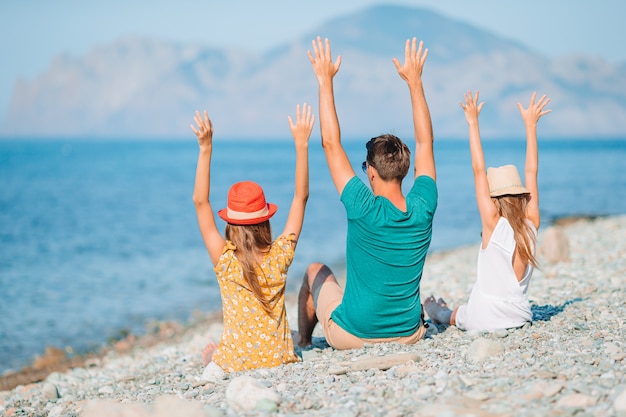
[(252, 339)]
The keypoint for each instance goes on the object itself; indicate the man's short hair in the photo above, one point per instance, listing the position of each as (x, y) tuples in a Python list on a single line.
[(390, 156)]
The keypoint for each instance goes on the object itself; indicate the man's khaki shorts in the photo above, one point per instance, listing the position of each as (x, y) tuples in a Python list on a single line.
[(326, 301)]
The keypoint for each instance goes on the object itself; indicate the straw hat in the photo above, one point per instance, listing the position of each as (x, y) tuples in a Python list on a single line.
[(246, 205), (505, 180)]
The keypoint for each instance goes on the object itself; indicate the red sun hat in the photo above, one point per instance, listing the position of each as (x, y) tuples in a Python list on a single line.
[(246, 205)]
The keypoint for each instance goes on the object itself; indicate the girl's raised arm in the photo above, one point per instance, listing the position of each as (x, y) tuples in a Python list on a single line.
[(301, 132), (531, 116), (206, 221), (486, 208)]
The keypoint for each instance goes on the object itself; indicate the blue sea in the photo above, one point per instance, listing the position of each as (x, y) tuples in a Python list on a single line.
[(99, 238)]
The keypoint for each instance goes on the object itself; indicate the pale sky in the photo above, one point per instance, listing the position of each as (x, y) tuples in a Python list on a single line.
[(32, 32)]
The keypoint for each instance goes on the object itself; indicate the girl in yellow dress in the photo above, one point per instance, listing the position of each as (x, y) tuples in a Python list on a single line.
[(251, 269)]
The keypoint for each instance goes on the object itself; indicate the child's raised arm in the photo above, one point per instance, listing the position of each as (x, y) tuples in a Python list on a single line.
[(301, 132), (206, 221), (531, 116), (486, 208)]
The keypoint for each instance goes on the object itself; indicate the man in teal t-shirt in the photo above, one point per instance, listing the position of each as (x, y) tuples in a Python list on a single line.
[(388, 234)]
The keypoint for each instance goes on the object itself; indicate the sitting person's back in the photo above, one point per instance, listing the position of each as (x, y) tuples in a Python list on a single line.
[(385, 252), (388, 234), (510, 217), (250, 266)]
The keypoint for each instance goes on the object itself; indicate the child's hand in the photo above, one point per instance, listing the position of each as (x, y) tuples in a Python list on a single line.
[(534, 111), (301, 130), (471, 107), (204, 132)]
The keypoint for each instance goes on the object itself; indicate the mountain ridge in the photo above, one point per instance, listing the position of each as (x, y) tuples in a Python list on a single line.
[(144, 87)]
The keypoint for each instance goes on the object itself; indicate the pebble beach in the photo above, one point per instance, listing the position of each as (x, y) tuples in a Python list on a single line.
[(571, 361)]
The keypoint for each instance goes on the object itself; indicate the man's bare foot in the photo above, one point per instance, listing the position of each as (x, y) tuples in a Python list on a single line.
[(437, 310), (207, 353)]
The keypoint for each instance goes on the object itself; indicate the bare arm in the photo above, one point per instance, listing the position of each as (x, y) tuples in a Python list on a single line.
[(531, 116), (411, 72), (301, 132), (206, 221), (325, 69), (487, 210)]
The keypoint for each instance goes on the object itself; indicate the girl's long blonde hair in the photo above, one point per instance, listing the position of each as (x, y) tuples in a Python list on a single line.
[(251, 240), (513, 208)]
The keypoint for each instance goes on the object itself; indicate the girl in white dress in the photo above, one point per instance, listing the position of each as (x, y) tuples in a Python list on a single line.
[(509, 213)]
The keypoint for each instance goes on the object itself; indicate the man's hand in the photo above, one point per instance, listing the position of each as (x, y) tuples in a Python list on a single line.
[(414, 59), (321, 59)]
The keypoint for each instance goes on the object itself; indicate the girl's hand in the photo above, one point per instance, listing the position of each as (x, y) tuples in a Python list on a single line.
[(471, 107), (301, 129), (534, 111), (204, 132)]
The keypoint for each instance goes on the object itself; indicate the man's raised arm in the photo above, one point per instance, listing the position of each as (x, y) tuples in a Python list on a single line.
[(411, 72)]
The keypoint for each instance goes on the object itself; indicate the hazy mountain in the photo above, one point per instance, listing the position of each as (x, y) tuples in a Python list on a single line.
[(138, 87)]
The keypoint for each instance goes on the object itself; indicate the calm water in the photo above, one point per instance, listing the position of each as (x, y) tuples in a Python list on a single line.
[(98, 238)]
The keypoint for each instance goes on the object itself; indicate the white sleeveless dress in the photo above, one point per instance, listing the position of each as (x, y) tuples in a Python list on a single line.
[(497, 300)]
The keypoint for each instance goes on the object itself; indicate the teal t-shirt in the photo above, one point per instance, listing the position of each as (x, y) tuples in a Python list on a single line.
[(385, 253)]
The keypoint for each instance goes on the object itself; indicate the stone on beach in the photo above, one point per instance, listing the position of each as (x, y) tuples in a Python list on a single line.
[(619, 404), (554, 246), (49, 391), (245, 393), (482, 348), (212, 373), (164, 406), (51, 357), (544, 389), (383, 362)]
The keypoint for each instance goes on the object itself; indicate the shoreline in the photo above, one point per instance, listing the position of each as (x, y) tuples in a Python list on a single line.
[(55, 359), (572, 358)]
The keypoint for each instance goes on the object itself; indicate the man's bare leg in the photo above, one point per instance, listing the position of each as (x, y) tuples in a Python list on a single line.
[(316, 274), (306, 312)]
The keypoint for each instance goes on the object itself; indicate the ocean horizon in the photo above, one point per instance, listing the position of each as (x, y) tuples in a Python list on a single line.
[(99, 237)]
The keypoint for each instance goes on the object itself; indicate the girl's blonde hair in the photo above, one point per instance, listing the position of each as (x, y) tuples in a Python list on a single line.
[(249, 241), (513, 208)]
